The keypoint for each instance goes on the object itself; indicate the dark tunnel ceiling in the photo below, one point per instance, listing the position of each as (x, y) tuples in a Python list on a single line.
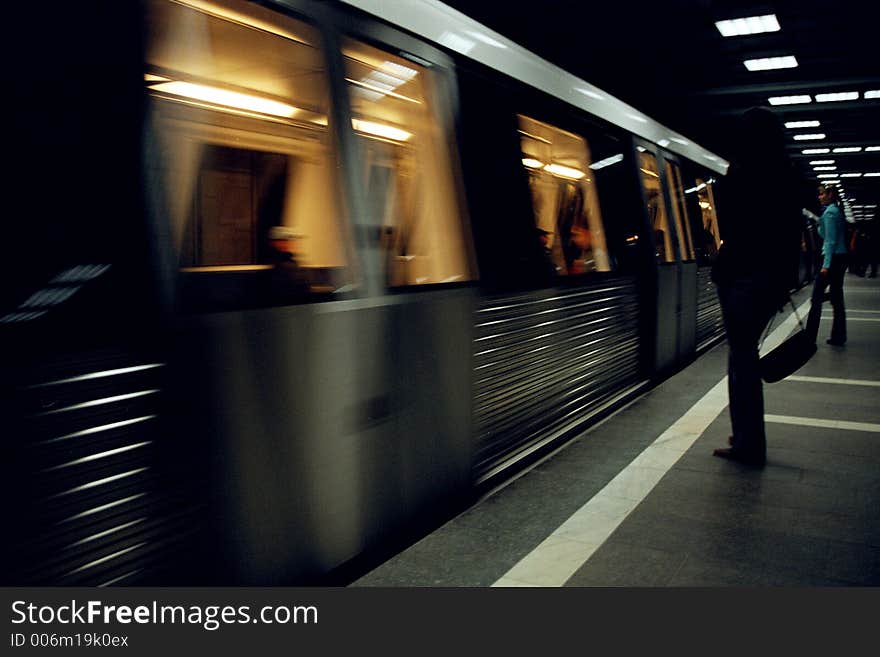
[(669, 60)]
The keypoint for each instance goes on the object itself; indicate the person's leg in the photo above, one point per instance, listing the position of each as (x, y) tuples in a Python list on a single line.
[(836, 276), (815, 314), (744, 320)]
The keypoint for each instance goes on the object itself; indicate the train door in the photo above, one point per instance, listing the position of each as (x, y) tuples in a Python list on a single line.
[(668, 270), (702, 213), (687, 279)]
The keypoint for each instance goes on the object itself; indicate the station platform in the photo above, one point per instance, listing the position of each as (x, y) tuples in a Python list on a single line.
[(639, 500)]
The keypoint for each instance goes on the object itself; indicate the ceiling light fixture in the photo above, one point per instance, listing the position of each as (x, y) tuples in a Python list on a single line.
[(815, 151), (749, 25), (802, 124), (789, 100), (848, 149), (837, 97), (874, 93), (771, 63), (808, 137), (815, 162)]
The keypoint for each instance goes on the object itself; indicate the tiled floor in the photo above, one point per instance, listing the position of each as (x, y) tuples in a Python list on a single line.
[(640, 501)]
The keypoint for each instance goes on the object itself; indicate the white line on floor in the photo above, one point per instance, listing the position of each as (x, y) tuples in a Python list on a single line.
[(823, 379), (560, 555), (825, 424)]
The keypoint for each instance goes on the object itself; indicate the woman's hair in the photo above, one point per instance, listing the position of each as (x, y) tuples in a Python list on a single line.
[(831, 190)]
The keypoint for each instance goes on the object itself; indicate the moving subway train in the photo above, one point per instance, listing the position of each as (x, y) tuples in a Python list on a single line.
[(295, 279)]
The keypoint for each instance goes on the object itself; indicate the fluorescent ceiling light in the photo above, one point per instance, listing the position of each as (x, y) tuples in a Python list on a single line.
[(380, 130), (750, 25), (808, 137), (532, 163), (872, 174), (850, 175), (771, 63), (227, 98), (848, 149), (815, 151), (815, 162), (789, 100), (802, 124), (831, 182), (827, 175), (564, 171), (872, 148), (874, 93), (824, 168), (835, 97)]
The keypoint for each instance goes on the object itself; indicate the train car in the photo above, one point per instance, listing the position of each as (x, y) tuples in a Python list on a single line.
[(298, 279)]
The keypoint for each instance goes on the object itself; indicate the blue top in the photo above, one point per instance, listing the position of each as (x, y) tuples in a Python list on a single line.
[(832, 230)]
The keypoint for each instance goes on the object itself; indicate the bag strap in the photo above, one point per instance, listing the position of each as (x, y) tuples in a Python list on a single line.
[(770, 323)]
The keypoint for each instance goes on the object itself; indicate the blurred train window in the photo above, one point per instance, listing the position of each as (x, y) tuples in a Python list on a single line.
[(410, 167), (568, 219), (656, 206), (239, 113), (704, 219), (679, 211)]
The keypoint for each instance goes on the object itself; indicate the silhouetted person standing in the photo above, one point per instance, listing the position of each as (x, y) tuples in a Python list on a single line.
[(832, 230), (756, 268)]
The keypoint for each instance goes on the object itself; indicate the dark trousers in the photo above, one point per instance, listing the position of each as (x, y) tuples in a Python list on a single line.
[(746, 311), (834, 279)]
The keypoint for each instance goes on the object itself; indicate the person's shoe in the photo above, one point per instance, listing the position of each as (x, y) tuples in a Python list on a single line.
[(732, 454), (835, 343)]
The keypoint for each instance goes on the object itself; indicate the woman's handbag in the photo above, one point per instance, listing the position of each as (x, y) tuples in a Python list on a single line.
[(790, 356)]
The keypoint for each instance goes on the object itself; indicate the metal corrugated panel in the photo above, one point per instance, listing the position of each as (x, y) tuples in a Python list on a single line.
[(547, 360), (92, 506), (710, 326)]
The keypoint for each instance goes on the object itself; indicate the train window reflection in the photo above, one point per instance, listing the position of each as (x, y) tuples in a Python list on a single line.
[(568, 220), (239, 107), (702, 204), (679, 211), (656, 206), (410, 167)]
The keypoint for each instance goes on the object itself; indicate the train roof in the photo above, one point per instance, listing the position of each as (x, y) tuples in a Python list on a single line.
[(455, 31)]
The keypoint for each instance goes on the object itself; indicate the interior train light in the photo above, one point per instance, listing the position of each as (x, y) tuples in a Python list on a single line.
[(837, 97), (848, 149), (380, 130), (872, 174), (815, 168), (749, 25), (771, 63), (827, 175), (227, 98), (850, 175), (532, 163), (815, 162), (564, 171), (808, 137), (873, 93), (872, 148), (801, 124), (815, 151)]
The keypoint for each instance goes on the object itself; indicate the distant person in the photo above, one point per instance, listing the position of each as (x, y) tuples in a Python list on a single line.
[(832, 230), (547, 265), (756, 268), (872, 248), (288, 280)]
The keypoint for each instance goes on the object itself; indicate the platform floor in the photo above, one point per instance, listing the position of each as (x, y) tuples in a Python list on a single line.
[(639, 500)]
